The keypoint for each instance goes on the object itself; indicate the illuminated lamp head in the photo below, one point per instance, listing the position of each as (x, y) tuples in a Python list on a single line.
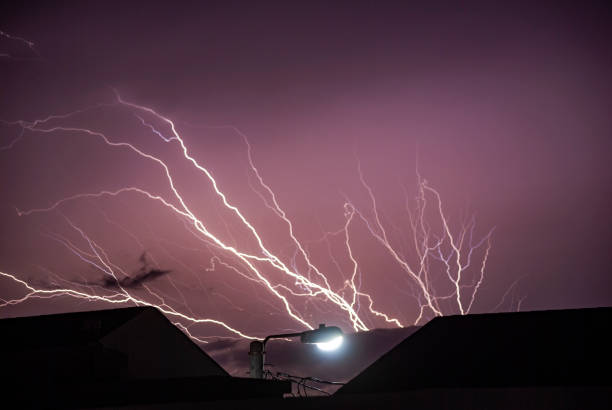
[(326, 338)]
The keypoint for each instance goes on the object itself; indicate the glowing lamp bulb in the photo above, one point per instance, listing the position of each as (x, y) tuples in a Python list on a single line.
[(331, 345)]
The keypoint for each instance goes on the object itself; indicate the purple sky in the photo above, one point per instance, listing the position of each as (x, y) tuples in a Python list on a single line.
[(506, 110)]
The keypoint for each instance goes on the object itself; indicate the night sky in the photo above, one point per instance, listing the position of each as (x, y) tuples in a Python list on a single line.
[(503, 110)]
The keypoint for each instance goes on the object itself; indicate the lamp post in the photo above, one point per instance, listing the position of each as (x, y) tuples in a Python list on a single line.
[(325, 337)]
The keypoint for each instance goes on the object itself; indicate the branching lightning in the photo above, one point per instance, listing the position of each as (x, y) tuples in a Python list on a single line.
[(437, 276)]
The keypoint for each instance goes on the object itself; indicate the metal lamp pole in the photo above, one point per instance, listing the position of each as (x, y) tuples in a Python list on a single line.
[(257, 349)]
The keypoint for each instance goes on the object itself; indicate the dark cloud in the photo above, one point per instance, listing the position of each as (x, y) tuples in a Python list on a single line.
[(134, 281), (144, 274)]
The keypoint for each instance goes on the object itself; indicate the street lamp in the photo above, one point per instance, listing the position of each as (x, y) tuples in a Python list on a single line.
[(326, 338)]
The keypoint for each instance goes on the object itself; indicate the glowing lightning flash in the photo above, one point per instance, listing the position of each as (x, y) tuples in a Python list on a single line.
[(454, 251)]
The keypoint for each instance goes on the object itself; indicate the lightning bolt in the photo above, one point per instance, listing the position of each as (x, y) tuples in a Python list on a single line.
[(29, 44), (453, 251)]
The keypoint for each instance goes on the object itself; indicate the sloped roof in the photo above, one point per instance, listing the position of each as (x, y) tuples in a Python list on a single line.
[(64, 329), (141, 338), (117, 357), (543, 348)]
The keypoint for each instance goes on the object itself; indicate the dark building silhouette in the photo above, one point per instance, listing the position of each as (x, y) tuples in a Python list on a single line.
[(112, 357), (528, 349), (559, 359), (136, 358)]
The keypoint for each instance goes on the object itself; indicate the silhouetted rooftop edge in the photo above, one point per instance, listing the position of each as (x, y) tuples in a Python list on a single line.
[(541, 348)]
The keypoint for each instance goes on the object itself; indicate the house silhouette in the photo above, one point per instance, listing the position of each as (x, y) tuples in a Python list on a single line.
[(113, 357), (562, 348), (136, 358)]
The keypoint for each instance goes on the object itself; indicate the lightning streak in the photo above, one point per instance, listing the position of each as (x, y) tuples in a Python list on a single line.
[(29, 44), (454, 252)]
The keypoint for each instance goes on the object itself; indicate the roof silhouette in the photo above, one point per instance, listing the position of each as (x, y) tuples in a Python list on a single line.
[(113, 357), (63, 329), (140, 340), (526, 349)]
